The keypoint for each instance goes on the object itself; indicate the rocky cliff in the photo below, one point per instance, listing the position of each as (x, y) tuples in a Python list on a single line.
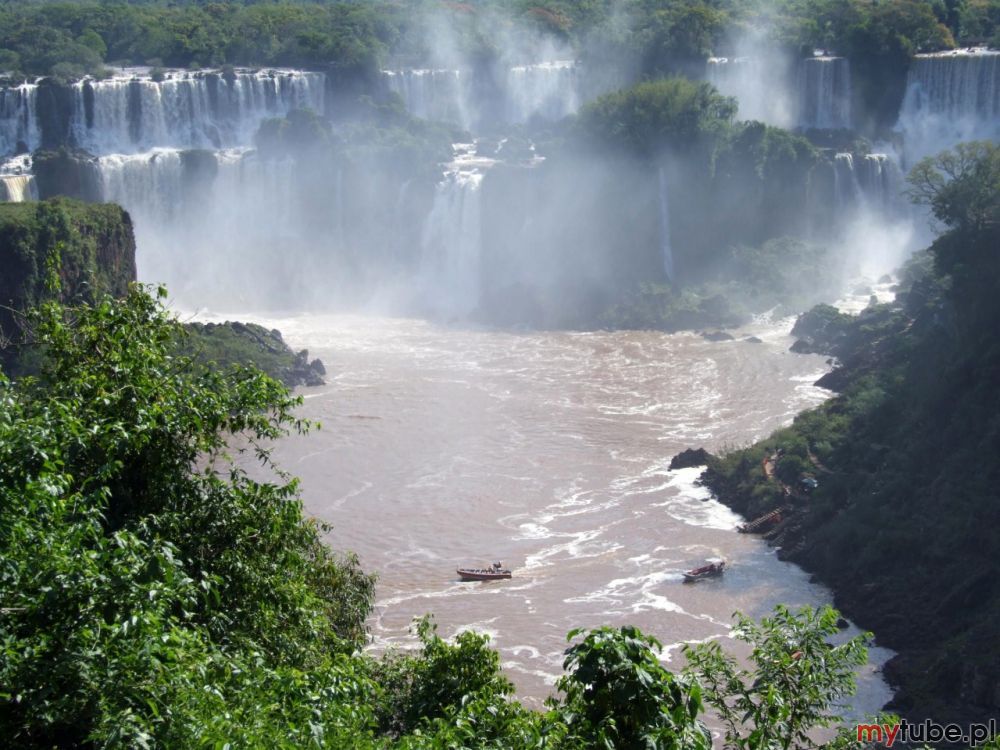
[(64, 250)]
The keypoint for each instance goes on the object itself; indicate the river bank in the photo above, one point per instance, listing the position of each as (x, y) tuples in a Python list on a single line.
[(897, 521)]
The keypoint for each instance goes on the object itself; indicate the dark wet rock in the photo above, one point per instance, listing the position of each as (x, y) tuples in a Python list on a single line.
[(689, 458), (820, 330), (716, 336), (753, 340), (67, 172)]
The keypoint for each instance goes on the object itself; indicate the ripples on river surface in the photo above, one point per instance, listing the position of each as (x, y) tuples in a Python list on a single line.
[(445, 447)]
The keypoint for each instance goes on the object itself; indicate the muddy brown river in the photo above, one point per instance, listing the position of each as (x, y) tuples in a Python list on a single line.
[(445, 447)]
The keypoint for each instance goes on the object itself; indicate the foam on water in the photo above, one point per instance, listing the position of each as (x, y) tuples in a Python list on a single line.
[(549, 451)]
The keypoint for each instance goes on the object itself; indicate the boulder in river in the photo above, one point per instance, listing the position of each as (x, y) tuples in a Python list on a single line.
[(689, 458), (716, 336)]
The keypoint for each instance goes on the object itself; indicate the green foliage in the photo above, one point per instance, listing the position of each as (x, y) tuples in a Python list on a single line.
[(440, 682), (155, 595), (147, 581), (617, 694), (80, 37), (962, 187), (671, 113), (231, 343), (899, 522), (60, 250), (796, 680)]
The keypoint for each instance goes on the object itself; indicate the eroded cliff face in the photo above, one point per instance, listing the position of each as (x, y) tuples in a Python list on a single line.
[(62, 250)]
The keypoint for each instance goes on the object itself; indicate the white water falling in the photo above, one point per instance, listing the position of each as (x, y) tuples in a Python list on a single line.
[(666, 248), (825, 92), (847, 187), (950, 97), (880, 180), (130, 114), (224, 234), (17, 184), (149, 185), (547, 90), (451, 243), (872, 182), (813, 93), (17, 188), (761, 88), (18, 118), (439, 95)]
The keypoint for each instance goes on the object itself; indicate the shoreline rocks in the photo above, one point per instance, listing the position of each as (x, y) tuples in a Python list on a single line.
[(690, 458)]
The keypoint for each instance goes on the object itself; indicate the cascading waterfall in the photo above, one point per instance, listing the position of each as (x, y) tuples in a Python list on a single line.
[(871, 182), (950, 97), (846, 185), (451, 242), (759, 86), (547, 90), (17, 184), (17, 188), (210, 228), (666, 248), (879, 178), (132, 114), (439, 95), (149, 186), (18, 118), (825, 98), (814, 93)]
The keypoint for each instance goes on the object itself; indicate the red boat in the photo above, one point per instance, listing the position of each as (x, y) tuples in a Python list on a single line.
[(710, 570), (495, 572)]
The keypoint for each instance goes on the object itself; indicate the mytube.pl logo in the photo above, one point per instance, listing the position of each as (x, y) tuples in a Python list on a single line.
[(926, 732)]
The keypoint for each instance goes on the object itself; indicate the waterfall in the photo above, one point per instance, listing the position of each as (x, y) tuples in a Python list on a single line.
[(17, 188), (814, 93), (666, 248), (759, 86), (451, 242), (871, 182), (186, 110), (846, 185), (439, 95), (547, 90), (880, 181), (17, 184), (825, 98), (218, 227), (950, 97), (149, 186), (18, 118)]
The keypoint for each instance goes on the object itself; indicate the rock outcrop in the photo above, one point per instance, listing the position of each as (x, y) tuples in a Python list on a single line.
[(90, 248), (689, 458), (69, 173)]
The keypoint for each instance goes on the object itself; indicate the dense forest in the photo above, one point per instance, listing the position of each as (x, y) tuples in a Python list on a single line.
[(40, 38)]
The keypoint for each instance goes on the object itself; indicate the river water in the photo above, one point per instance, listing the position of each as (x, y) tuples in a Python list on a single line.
[(444, 447)]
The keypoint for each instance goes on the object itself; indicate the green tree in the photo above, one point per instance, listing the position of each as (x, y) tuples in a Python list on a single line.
[(795, 684), (961, 186), (618, 695), (671, 113), (152, 592)]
